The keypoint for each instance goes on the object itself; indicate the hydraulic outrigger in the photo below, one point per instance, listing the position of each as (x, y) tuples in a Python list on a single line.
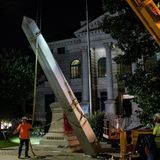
[(61, 89)]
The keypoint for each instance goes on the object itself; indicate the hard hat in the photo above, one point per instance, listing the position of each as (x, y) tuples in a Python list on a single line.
[(157, 116), (24, 118)]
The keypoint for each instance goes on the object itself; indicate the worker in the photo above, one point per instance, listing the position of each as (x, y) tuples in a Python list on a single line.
[(24, 135), (156, 129), (157, 2), (150, 141)]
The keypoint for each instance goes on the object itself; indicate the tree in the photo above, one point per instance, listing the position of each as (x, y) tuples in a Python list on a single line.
[(130, 34), (136, 42), (16, 84), (144, 85)]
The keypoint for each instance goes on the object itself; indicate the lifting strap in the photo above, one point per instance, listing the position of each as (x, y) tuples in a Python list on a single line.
[(35, 84), (34, 92)]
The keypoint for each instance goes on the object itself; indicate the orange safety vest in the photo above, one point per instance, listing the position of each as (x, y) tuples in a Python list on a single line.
[(24, 130)]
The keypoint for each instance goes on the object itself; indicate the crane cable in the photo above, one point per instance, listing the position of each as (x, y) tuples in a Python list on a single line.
[(35, 91)]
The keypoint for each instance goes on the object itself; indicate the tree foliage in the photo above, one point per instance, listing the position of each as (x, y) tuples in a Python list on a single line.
[(130, 34), (97, 123), (144, 85), (17, 79), (134, 40)]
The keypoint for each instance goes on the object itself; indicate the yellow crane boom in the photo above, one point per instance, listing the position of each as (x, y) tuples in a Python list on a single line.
[(149, 14)]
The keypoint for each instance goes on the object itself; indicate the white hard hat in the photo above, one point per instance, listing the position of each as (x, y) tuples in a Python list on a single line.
[(157, 116), (24, 118)]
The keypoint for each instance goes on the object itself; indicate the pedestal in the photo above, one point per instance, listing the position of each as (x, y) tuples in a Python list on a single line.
[(55, 136)]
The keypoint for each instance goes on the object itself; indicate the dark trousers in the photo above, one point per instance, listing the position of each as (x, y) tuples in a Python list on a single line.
[(22, 142)]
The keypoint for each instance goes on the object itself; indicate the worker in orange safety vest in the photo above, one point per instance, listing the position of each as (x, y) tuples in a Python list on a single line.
[(24, 135)]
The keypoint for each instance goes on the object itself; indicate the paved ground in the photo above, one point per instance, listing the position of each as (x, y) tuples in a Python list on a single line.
[(46, 153)]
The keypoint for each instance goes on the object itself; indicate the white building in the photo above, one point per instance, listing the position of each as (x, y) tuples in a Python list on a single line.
[(72, 57)]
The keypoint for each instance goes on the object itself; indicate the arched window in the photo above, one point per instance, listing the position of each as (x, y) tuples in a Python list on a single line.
[(75, 69), (102, 67)]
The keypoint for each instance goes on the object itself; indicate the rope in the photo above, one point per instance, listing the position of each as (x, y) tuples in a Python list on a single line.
[(42, 126), (35, 84), (35, 91)]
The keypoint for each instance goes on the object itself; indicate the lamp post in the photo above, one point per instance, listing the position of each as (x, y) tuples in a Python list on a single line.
[(89, 63)]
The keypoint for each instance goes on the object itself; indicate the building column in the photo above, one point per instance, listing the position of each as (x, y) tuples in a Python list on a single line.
[(110, 108), (85, 77), (40, 112)]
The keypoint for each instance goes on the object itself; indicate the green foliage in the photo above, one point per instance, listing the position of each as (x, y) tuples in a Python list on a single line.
[(144, 85), (17, 78), (135, 41), (96, 122), (125, 27), (5, 144), (38, 129)]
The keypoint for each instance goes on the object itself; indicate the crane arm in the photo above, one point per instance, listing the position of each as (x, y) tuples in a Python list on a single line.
[(149, 14)]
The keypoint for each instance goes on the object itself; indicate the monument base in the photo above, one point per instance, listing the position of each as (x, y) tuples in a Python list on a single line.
[(56, 140), (56, 136)]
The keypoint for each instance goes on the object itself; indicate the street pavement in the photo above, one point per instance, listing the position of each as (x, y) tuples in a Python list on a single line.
[(46, 153)]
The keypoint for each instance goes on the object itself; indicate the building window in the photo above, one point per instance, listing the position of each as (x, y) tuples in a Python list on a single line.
[(61, 50), (103, 98), (149, 62), (102, 67), (123, 68), (78, 96), (51, 50), (75, 69), (127, 107)]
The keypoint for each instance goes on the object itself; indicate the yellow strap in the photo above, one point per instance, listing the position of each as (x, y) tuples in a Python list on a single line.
[(35, 84), (35, 93)]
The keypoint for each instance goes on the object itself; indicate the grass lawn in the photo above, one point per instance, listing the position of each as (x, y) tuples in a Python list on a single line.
[(14, 141), (9, 143)]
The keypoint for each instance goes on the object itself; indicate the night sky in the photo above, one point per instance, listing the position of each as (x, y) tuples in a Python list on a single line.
[(60, 18)]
